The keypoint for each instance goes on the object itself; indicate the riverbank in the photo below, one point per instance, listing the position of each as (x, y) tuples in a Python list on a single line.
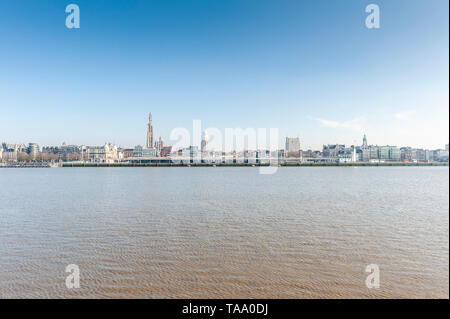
[(246, 164), (68, 164)]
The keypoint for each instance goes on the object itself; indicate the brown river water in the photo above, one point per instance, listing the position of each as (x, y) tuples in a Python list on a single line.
[(224, 232)]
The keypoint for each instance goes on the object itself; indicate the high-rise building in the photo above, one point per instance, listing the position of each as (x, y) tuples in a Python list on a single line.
[(204, 146), (33, 149), (150, 138), (364, 145), (292, 145)]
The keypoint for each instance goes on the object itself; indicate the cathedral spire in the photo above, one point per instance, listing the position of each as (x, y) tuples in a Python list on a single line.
[(150, 138)]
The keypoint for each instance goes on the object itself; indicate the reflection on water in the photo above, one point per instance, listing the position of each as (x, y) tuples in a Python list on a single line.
[(224, 232)]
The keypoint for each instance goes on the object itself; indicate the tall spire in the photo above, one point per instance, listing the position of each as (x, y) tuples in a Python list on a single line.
[(204, 145), (150, 139)]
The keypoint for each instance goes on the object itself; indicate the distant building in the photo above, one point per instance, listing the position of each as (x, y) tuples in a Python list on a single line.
[(364, 144), (292, 145), (150, 138), (140, 151), (33, 150), (166, 151), (370, 153), (355, 156), (440, 155), (394, 154), (309, 154), (159, 145), (127, 152), (333, 150), (418, 155), (65, 152), (193, 151), (102, 154), (204, 145), (389, 153), (9, 155)]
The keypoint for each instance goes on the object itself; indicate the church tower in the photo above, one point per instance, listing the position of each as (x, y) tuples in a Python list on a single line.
[(364, 141), (204, 145), (150, 140)]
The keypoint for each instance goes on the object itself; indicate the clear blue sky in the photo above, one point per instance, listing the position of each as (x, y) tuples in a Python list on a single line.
[(310, 68)]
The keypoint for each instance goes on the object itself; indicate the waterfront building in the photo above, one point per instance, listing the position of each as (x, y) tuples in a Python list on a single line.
[(150, 138), (193, 152), (140, 151), (9, 155), (355, 157), (419, 155), (389, 153), (304, 154), (409, 154), (345, 159), (11, 151), (406, 154), (33, 150), (166, 151), (333, 150), (64, 152), (394, 153), (292, 145), (370, 153), (364, 144), (107, 153), (14, 147), (159, 145), (128, 152), (383, 153), (440, 155)]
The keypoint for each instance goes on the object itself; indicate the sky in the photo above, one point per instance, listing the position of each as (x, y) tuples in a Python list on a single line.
[(312, 69)]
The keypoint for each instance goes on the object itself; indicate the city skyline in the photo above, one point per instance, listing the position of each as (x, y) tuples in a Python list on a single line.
[(324, 77), (291, 144), (283, 141)]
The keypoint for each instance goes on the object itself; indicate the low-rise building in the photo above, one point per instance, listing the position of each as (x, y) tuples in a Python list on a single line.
[(102, 154), (166, 151), (389, 153), (140, 151), (127, 152), (333, 150)]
